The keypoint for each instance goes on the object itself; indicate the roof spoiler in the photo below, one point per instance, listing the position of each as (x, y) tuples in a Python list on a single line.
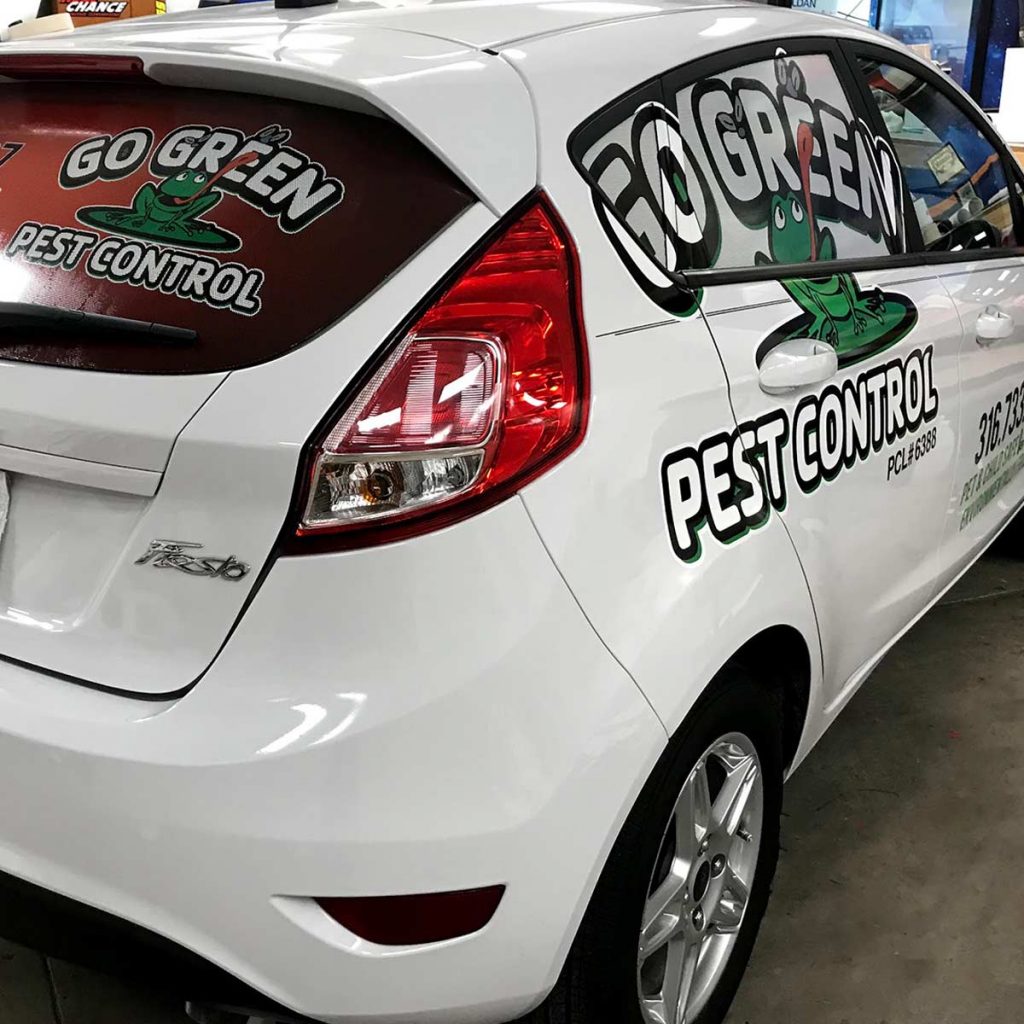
[(372, 71)]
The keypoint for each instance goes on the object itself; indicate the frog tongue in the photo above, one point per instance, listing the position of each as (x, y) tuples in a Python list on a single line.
[(238, 161), (805, 150)]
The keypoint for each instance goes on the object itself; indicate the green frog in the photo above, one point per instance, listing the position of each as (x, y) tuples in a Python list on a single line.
[(834, 302), (173, 206), (171, 211)]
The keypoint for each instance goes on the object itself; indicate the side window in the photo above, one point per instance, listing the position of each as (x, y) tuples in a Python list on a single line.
[(956, 179), (763, 165), (789, 173)]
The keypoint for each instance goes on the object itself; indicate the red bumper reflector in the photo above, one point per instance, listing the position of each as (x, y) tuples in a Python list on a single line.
[(415, 920)]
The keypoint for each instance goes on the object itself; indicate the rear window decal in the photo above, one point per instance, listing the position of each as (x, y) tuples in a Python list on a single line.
[(196, 165), (8, 150), (170, 217), (730, 480), (186, 275), (199, 165), (203, 210)]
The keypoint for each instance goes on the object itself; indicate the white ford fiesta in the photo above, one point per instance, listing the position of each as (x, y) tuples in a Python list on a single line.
[(457, 460)]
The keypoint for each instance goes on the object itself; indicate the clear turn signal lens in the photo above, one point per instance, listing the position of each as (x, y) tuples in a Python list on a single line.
[(350, 489)]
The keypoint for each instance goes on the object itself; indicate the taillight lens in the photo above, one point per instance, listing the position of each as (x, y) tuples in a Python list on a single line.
[(485, 392)]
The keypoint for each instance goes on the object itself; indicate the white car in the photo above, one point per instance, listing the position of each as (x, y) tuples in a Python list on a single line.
[(458, 460)]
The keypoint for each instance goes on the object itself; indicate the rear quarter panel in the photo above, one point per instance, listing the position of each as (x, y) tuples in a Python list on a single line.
[(657, 386)]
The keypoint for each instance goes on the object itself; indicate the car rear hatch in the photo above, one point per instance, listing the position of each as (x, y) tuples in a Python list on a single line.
[(189, 279)]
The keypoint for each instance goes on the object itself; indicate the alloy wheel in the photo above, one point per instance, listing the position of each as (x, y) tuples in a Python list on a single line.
[(701, 882)]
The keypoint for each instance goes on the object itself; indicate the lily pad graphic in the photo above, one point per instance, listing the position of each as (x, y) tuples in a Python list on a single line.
[(877, 321), (194, 234), (172, 210)]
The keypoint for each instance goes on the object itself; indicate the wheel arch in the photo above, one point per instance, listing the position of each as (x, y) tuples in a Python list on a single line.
[(780, 657)]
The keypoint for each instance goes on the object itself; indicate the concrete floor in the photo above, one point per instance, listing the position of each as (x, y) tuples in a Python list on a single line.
[(898, 898)]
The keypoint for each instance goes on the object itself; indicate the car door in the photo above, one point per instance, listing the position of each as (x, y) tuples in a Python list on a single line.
[(843, 379), (965, 195)]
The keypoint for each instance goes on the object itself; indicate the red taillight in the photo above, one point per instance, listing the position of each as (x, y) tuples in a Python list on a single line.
[(484, 393), (44, 67), (415, 920)]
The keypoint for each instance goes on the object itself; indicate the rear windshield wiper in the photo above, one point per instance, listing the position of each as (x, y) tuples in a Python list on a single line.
[(15, 315)]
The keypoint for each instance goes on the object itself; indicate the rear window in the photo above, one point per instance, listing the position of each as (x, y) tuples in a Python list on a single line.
[(254, 222)]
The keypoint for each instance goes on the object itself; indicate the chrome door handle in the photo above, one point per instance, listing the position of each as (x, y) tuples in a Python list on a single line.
[(797, 363), (993, 325)]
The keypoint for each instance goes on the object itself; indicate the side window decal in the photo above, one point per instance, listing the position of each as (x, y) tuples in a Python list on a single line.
[(765, 165), (653, 201), (769, 142)]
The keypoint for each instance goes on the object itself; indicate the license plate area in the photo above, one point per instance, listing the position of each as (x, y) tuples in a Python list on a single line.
[(59, 545)]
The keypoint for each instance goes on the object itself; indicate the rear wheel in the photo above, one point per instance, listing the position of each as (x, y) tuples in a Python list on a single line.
[(674, 917)]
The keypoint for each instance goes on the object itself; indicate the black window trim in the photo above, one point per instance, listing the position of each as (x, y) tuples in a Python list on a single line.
[(606, 118), (844, 54)]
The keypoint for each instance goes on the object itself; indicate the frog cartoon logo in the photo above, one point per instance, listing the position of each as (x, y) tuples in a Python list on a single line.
[(171, 212), (834, 308), (196, 166)]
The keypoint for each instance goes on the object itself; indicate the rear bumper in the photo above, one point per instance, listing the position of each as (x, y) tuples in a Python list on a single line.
[(72, 931), (427, 716)]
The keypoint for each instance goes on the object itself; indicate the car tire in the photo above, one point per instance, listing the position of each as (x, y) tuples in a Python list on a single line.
[(1010, 542), (607, 974)]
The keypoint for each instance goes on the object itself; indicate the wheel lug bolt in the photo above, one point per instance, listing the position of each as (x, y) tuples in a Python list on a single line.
[(698, 919), (704, 845), (718, 865)]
